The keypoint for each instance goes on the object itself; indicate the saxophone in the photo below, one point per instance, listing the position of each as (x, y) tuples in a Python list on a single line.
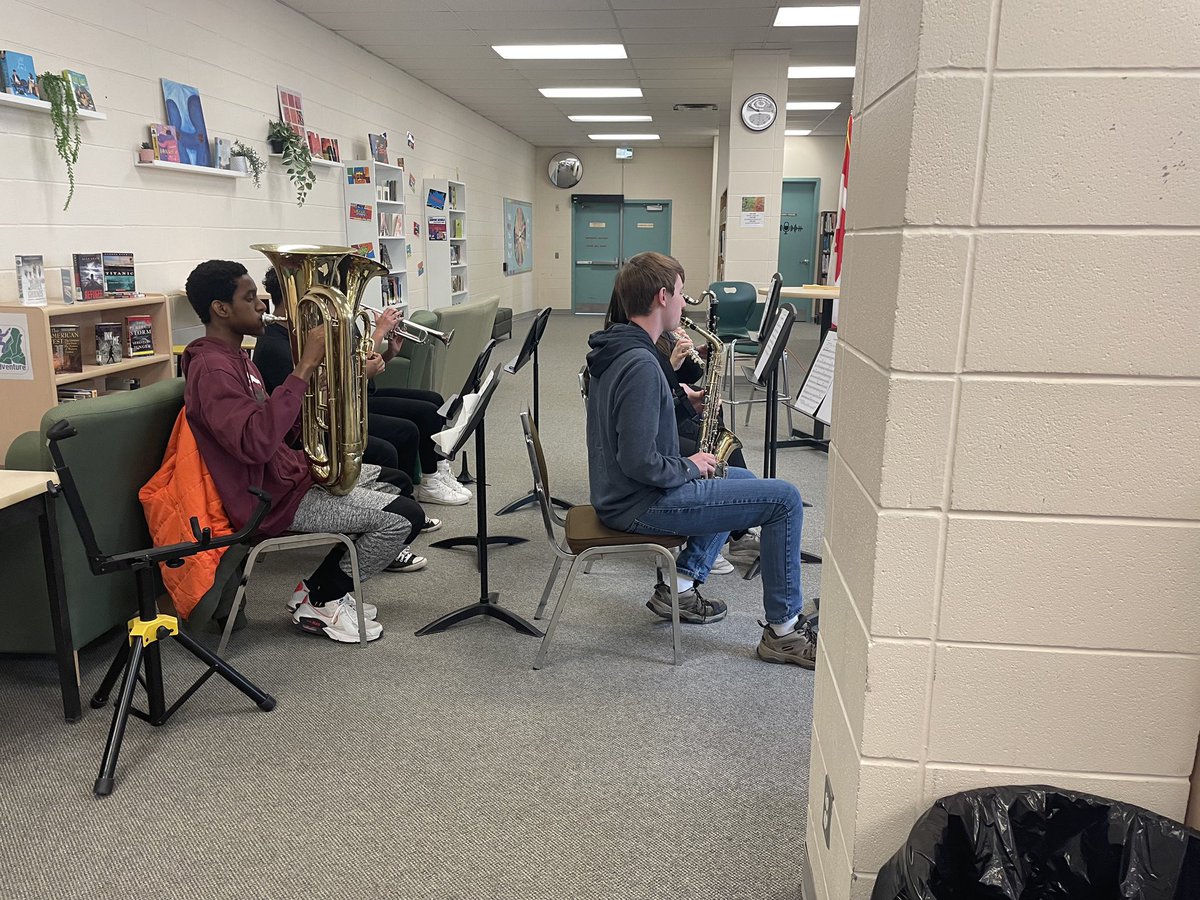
[(714, 437)]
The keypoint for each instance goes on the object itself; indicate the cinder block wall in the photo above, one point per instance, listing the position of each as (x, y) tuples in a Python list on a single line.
[(1013, 548)]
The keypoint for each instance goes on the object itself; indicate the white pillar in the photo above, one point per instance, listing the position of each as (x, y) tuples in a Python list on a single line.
[(1013, 539)]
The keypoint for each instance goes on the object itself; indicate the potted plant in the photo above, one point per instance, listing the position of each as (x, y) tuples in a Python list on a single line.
[(243, 158), (145, 152), (65, 114), (297, 158)]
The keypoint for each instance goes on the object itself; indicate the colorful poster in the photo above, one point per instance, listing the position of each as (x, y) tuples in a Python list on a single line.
[(754, 212), (14, 347), (518, 236), (291, 109)]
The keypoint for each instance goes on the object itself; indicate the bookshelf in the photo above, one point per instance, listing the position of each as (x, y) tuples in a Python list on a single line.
[(28, 399), (189, 169), (319, 162), (380, 199), (43, 105), (446, 257)]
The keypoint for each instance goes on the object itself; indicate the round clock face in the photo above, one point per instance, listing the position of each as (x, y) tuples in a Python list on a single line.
[(759, 112)]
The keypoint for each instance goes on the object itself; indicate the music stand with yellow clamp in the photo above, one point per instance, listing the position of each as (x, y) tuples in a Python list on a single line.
[(141, 651)]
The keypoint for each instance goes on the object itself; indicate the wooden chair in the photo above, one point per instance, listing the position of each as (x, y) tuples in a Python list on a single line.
[(585, 537)]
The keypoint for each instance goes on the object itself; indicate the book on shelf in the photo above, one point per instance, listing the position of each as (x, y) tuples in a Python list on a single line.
[(118, 274), (70, 291), (66, 348), (391, 224), (367, 249), (329, 150), (89, 275), (165, 141), (69, 394), (31, 281), (20, 77), (83, 93), (456, 283), (108, 343), (314, 143), (452, 190), (139, 336), (458, 227), (222, 154), (379, 147), (387, 190), (393, 290), (455, 254), (437, 228), (384, 256)]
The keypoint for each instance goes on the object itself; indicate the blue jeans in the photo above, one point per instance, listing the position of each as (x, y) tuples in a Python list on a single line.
[(709, 508)]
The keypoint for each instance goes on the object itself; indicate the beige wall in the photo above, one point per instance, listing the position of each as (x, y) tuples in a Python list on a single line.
[(681, 175), (1013, 538), (816, 157), (235, 53)]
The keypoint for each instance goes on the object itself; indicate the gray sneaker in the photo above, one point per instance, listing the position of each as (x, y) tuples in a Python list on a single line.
[(798, 648), (692, 607)]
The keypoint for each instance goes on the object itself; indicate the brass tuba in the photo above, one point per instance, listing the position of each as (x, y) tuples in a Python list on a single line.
[(323, 286)]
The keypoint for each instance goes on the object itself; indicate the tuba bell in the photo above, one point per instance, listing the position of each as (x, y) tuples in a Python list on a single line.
[(323, 286)]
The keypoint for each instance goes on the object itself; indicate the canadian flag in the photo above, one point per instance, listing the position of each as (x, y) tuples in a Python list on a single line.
[(840, 234)]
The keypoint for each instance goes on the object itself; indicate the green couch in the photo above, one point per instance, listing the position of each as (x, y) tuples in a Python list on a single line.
[(434, 367), (120, 444)]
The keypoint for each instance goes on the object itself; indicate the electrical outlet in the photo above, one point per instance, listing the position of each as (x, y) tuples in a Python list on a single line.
[(827, 810)]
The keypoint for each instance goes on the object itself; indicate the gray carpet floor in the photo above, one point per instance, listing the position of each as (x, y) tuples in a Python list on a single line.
[(442, 766)]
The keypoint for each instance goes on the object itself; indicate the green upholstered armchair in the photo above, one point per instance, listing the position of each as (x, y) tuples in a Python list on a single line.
[(447, 367), (121, 440)]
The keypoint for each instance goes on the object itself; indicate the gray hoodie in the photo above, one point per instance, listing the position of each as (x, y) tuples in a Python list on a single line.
[(633, 445)]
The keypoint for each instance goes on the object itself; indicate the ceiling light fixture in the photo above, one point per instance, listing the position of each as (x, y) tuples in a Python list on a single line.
[(797, 132), (561, 51), (813, 104), (590, 93), (820, 71), (815, 16), (611, 118), (623, 137)]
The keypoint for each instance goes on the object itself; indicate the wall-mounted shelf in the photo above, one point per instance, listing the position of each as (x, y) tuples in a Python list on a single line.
[(43, 106), (316, 161), (193, 170)]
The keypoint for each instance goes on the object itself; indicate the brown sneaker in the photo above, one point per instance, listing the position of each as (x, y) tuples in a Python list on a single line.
[(798, 648), (692, 607)]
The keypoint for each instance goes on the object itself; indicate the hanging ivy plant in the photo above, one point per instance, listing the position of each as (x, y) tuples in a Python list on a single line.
[(65, 115), (297, 158)]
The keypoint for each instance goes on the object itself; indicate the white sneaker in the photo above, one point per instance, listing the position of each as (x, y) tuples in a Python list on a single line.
[(447, 477), (337, 620), (746, 548), (721, 566), (300, 596), (433, 490)]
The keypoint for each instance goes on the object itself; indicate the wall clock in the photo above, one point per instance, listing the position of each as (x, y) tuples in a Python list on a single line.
[(759, 112)]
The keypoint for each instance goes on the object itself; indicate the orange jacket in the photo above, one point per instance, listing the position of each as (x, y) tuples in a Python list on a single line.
[(180, 489)]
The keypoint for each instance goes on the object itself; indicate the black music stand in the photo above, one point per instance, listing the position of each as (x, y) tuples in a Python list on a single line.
[(529, 350), (489, 601), (450, 408), (141, 651), (816, 440)]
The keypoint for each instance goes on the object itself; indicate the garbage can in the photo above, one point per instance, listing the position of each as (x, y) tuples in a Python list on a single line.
[(1036, 842)]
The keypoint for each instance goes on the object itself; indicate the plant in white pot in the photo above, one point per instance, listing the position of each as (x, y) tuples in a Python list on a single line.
[(243, 158)]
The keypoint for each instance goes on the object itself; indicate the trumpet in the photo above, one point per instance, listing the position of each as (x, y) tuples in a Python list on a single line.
[(420, 335)]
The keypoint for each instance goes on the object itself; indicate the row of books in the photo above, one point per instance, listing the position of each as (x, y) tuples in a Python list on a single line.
[(21, 80), (91, 276), (391, 224), (113, 342), (67, 393), (392, 290), (387, 190)]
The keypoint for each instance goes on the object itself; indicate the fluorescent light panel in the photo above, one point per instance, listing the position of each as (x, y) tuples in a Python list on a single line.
[(812, 104), (623, 137), (820, 71), (561, 51), (815, 16), (611, 118), (797, 132), (590, 93)]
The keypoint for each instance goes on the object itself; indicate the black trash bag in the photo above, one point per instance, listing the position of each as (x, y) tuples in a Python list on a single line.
[(1036, 842)]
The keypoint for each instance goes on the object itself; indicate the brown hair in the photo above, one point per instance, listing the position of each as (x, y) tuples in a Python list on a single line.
[(641, 278)]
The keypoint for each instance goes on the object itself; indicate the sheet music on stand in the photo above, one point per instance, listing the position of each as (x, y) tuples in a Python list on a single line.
[(769, 356), (825, 410), (818, 383)]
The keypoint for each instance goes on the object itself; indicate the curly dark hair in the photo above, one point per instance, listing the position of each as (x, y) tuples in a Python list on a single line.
[(213, 280), (271, 283)]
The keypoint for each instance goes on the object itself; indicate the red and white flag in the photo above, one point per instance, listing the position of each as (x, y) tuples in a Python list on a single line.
[(840, 234)]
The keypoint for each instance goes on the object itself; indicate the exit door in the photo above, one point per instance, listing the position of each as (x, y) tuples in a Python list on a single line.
[(605, 232), (798, 231)]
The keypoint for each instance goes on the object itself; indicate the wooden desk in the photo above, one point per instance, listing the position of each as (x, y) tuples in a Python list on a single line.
[(24, 496)]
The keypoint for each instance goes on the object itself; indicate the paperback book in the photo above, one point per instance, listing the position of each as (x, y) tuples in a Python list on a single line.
[(89, 275), (66, 348), (83, 93), (391, 224), (221, 152), (118, 275), (379, 147), (329, 150), (31, 281), (70, 291), (20, 77), (165, 141), (384, 256), (108, 343), (139, 336)]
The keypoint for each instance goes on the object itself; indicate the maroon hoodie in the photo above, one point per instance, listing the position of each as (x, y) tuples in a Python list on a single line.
[(243, 433)]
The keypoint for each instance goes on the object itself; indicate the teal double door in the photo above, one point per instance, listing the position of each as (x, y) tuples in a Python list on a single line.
[(606, 230)]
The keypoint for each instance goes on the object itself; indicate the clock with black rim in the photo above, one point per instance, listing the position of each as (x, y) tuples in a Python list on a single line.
[(759, 112)]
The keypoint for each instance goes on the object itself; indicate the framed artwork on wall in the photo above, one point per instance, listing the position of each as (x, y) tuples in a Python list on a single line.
[(518, 236)]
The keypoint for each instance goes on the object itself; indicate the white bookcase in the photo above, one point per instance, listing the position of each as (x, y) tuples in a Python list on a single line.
[(446, 242), (375, 216)]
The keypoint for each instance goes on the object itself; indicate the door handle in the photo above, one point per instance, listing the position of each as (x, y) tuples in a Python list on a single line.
[(597, 262), (806, 261)]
